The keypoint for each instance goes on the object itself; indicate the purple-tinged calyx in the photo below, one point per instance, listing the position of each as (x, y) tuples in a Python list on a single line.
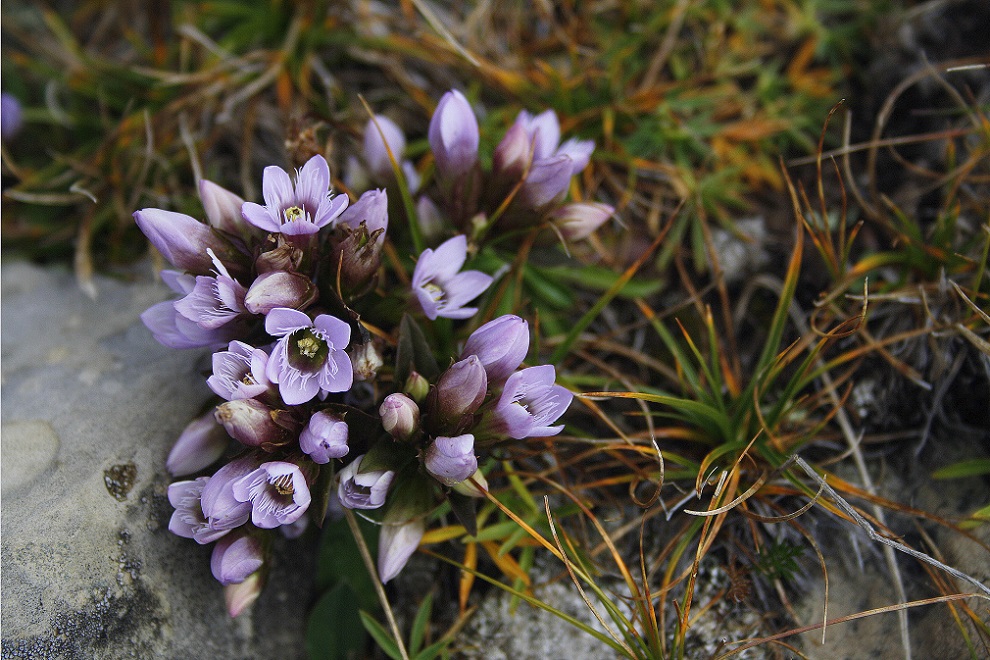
[(454, 136), (296, 210), (189, 521), (309, 357), (442, 291), (451, 460), (235, 557), (324, 437), (529, 404), (367, 490), (358, 240), (501, 346), (277, 492), (239, 372), (201, 443)]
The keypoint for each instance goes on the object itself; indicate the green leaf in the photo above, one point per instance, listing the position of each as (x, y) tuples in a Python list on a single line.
[(340, 562), (382, 637), (320, 492), (971, 468), (413, 353), (333, 631), (418, 632), (598, 278)]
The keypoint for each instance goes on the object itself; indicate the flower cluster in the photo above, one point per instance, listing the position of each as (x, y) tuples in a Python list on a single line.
[(284, 294)]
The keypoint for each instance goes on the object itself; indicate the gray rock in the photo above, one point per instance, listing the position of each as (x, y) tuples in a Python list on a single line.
[(91, 405)]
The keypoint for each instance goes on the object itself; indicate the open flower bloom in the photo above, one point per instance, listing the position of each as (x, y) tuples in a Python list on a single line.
[(188, 520), (324, 437), (530, 403), (222, 510), (174, 330), (442, 291), (310, 356), (239, 372), (297, 210), (543, 131), (501, 346), (451, 460), (277, 491), (363, 490), (213, 301), (235, 557)]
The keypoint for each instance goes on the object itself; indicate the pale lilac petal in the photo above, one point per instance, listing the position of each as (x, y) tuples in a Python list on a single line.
[(284, 321), (396, 544), (276, 188), (579, 152), (313, 183), (375, 153), (260, 217), (449, 257), (467, 286), (545, 130)]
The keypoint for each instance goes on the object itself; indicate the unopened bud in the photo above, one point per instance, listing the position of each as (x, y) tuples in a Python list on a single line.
[(366, 360), (417, 387), (400, 416), (250, 422), (240, 595), (279, 288), (451, 460), (202, 442), (459, 392)]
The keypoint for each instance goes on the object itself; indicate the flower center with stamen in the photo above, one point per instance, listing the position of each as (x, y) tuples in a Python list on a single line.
[(308, 346), (294, 213), (307, 350), (283, 485), (435, 292)]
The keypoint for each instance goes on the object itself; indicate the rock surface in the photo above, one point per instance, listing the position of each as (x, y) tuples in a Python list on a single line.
[(91, 405)]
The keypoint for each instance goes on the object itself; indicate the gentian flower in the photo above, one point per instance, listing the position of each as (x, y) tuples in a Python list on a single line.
[(11, 116), (375, 153), (310, 356), (578, 220), (396, 543), (250, 422), (185, 242), (235, 557), (358, 240), (530, 402), (239, 372), (173, 329), (214, 301), (454, 136), (201, 443), (400, 416), (440, 289), (277, 492), (459, 392), (222, 510), (324, 437), (501, 346), (451, 460), (298, 210), (363, 490), (223, 208), (544, 132), (280, 288), (188, 520)]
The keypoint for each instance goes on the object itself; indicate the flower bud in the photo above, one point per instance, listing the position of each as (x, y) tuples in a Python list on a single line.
[(451, 460), (431, 221), (202, 442), (454, 136), (513, 154), (11, 116), (284, 257), (416, 387), (235, 557), (578, 220), (279, 288), (358, 240), (357, 490), (223, 208), (250, 422), (184, 241), (324, 437), (546, 184), (400, 416), (474, 486), (501, 346), (366, 360), (396, 543), (459, 392), (375, 153), (240, 595)]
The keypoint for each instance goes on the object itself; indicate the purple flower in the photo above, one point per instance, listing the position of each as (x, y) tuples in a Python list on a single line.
[(363, 490), (280, 288), (235, 557), (451, 460), (277, 491), (501, 346), (202, 442), (454, 136), (546, 183), (239, 372), (214, 301), (250, 422), (375, 153), (544, 132), (188, 520), (222, 510), (324, 437), (11, 116), (185, 241), (396, 543), (172, 329), (223, 208), (578, 220), (529, 403), (297, 210), (441, 290), (358, 240), (310, 356), (459, 392), (400, 416)]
